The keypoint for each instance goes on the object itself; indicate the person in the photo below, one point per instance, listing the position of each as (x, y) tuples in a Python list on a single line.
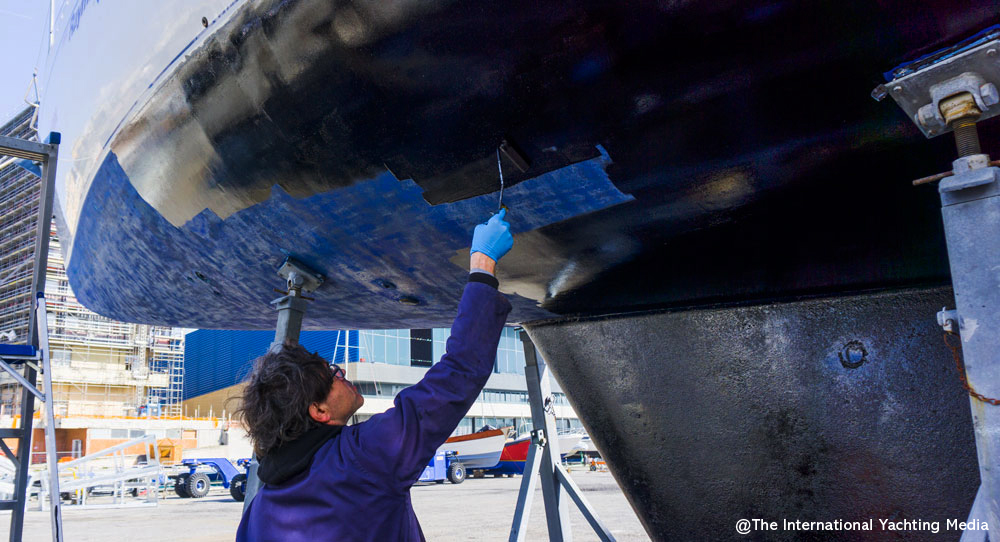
[(325, 480)]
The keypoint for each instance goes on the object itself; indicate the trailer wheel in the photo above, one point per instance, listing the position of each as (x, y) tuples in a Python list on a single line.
[(238, 487), (456, 472), (198, 485), (181, 485)]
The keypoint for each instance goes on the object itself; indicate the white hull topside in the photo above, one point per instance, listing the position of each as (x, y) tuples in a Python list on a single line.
[(477, 453)]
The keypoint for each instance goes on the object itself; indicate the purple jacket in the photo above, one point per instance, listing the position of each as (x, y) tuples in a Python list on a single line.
[(358, 485)]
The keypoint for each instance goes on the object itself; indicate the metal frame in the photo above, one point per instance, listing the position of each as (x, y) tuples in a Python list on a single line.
[(46, 154), (544, 459), (82, 475), (51, 452), (970, 211), (970, 207)]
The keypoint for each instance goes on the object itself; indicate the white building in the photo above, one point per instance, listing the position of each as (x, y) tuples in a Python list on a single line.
[(379, 362)]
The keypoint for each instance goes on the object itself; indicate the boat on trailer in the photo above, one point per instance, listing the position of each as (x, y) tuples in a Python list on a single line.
[(479, 450), (515, 452)]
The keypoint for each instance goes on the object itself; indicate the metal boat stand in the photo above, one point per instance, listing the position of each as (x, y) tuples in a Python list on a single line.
[(33, 356), (291, 308), (952, 93), (544, 460)]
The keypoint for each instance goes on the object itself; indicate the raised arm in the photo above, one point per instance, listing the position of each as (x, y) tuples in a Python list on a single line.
[(403, 439)]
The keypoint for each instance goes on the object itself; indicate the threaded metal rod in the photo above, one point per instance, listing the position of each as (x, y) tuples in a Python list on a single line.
[(966, 137)]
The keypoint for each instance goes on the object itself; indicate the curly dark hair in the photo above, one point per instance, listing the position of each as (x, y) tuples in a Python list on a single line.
[(279, 390)]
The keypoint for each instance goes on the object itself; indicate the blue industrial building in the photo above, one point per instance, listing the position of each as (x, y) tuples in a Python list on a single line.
[(216, 359), (379, 362)]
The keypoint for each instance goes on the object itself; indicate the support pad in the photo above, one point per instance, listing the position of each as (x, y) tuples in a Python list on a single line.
[(300, 276), (971, 67)]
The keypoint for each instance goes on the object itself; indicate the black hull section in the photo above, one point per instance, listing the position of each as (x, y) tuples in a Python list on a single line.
[(846, 408), (678, 153)]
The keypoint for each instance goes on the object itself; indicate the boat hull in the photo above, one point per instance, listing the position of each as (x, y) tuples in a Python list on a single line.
[(476, 451), (513, 458), (666, 155), (515, 453), (361, 139)]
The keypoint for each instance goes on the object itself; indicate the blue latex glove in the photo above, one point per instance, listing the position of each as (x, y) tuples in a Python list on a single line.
[(493, 238)]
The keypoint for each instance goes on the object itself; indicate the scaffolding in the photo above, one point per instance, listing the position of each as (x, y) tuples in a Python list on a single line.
[(101, 367), (168, 358), (19, 193), (106, 368)]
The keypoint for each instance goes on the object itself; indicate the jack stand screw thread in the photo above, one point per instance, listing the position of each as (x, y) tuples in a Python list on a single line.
[(966, 137)]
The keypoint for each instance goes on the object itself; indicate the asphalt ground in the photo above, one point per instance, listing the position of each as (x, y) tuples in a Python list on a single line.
[(476, 510)]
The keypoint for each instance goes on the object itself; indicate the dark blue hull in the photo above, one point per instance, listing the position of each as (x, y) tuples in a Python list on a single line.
[(215, 273)]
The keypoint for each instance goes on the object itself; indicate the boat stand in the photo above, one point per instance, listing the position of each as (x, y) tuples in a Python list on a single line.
[(953, 93), (291, 308), (545, 461), (33, 356)]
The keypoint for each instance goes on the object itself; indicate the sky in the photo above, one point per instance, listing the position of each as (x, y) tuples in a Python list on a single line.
[(24, 28)]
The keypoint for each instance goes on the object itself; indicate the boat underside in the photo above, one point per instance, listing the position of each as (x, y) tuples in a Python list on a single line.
[(710, 214), (673, 155)]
